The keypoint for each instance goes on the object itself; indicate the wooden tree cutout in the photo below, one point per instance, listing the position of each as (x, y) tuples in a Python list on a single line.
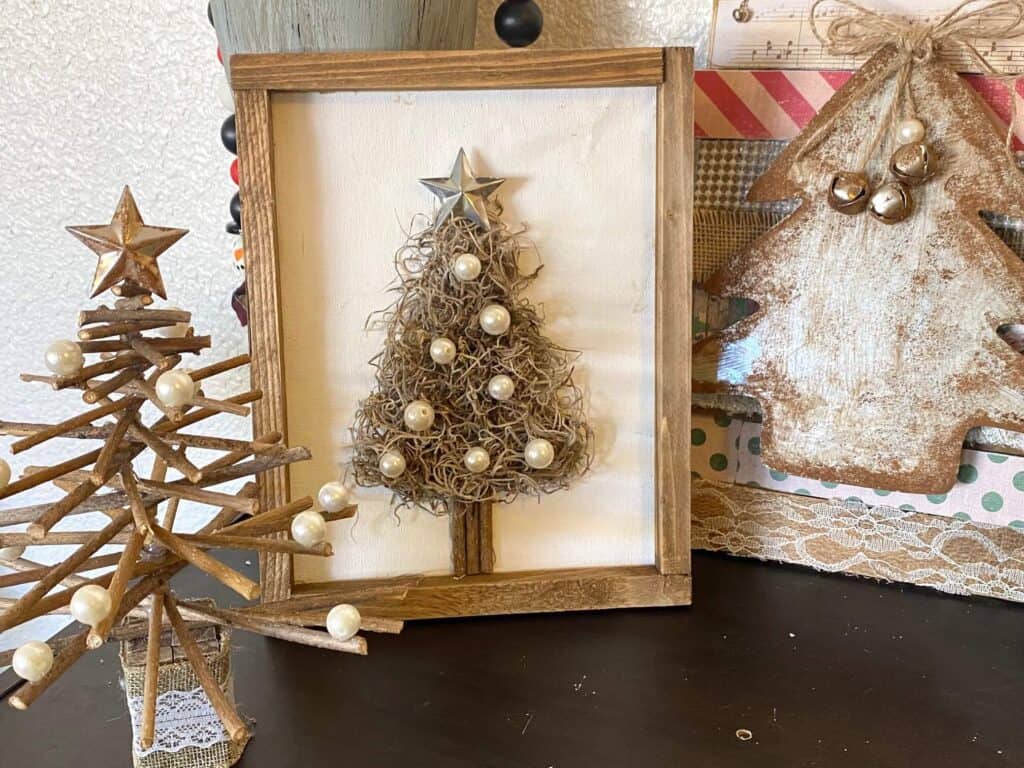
[(875, 348)]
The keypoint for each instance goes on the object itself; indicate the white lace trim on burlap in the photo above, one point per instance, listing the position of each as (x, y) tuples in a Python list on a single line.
[(183, 719)]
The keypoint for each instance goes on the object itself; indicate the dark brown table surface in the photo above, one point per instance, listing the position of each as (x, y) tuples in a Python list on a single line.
[(824, 671)]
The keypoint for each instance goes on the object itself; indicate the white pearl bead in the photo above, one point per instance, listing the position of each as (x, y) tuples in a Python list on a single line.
[(334, 496), (495, 319), (539, 453), (391, 464), (91, 604), (176, 331), (64, 358), (309, 528), (8, 554), (477, 460), (442, 351), (910, 131), (196, 385), (5, 474), (32, 661), (419, 416), (501, 387), (343, 622), (467, 267), (175, 389)]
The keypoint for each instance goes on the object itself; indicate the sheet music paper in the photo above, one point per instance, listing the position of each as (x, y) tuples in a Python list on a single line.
[(779, 36)]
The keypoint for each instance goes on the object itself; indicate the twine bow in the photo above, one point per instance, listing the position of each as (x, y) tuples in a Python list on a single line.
[(866, 32)]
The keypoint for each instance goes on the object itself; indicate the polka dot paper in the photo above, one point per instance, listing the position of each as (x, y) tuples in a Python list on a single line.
[(989, 487)]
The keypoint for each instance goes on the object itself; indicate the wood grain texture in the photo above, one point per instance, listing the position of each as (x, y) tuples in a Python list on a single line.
[(471, 516), (457, 533), (447, 70), (674, 259), (486, 538), (875, 348), (259, 228), (580, 589), (275, 26)]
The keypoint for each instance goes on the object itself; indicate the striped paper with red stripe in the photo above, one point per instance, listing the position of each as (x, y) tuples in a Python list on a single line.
[(778, 104)]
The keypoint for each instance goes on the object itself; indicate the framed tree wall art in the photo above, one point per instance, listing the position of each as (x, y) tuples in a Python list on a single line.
[(510, 392)]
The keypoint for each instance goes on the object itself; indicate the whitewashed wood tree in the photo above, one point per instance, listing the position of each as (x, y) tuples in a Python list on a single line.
[(875, 348)]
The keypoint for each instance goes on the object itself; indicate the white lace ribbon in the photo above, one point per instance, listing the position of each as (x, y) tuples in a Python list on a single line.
[(183, 719)]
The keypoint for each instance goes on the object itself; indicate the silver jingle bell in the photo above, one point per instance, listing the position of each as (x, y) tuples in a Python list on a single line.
[(913, 164), (891, 203), (849, 192)]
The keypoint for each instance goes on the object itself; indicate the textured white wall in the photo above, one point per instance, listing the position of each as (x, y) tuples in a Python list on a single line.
[(96, 95)]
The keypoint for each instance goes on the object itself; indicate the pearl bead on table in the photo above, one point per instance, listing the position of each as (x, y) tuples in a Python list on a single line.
[(495, 319), (442, 351), (391, 464), (32, 661), (343, 622), (175, 389), (910, 131), (91, 604), (477, 460), (467, 267), (309, 528), (419, 416), (334, 496), (64, 358), (539, 453), (501, 387)]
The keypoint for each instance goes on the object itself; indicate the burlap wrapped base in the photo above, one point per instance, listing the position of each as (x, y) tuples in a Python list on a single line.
[(177, 675)]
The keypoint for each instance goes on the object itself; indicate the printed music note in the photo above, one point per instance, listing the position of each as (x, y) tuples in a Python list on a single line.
[(780, 35)]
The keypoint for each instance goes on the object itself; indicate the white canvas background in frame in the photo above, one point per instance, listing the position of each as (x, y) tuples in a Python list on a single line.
[(581, 169)]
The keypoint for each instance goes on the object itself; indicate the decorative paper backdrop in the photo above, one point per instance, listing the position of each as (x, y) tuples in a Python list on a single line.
[(990, 486), (777, 104)]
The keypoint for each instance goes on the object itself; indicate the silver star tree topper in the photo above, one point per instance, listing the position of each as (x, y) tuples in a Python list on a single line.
[(462, 193)]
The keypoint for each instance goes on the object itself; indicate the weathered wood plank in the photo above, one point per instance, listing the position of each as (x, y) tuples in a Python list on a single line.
[(486, 541), (259, 227), (580, 589), (457, 533), (273, 26), (674, 260), (448, 70)]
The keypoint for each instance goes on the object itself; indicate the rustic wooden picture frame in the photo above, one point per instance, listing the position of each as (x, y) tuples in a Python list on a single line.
[(254, 78)]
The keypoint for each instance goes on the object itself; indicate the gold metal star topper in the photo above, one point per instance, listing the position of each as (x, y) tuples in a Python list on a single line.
[(128, 249), (462, 193)]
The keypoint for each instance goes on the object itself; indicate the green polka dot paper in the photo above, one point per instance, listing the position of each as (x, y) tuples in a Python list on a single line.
[(989, 487)]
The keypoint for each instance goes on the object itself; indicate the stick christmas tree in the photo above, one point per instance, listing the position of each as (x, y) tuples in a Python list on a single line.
[(875, 346), (140, 349), (473, 405)]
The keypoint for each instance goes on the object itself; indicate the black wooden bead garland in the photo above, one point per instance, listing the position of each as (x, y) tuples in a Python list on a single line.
[(518, 22), (229, 138)]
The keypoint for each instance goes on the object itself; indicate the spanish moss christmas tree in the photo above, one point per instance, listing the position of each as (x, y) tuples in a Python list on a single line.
[(473, 404), (145, 467)]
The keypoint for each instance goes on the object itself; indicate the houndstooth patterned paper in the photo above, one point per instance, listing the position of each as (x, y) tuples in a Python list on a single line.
[(727, 168)]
